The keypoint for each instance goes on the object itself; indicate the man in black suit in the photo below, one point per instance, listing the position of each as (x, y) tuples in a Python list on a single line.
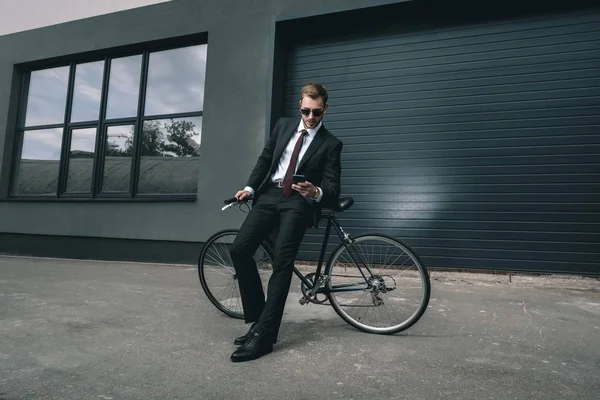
[(296, 146)]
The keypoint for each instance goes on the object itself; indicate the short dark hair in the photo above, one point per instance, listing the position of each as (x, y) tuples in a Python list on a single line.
[(314, 91)]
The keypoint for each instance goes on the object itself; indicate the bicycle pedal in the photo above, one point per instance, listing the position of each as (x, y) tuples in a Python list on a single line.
[(303, 301)]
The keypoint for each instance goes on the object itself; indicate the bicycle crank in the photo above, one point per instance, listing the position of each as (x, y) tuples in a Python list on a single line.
[(311, 295)]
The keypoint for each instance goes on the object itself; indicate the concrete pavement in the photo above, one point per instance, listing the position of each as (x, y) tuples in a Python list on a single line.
[(75, 329)]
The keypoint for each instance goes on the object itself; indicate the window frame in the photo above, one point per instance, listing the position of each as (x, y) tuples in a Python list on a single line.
[(101, 125)]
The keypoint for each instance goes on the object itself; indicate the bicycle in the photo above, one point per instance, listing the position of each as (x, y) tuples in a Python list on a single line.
[(352, 268)]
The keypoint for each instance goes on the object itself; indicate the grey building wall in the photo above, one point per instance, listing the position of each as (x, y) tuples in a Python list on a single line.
[(247, 88), (237, 111), (474, 138)]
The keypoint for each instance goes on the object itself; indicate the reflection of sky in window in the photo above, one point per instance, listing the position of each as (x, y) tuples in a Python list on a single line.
[(83, 140), (87, 92), (47, 96), (42, 145), (175, 84), (176, 81), (124, 85), (118, 135), (118, 139)]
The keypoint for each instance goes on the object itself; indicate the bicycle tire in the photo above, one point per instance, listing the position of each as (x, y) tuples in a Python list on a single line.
[(232, 305), (357, 322)]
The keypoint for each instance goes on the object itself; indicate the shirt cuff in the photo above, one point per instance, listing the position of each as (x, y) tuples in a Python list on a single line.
[(320, 196), (249, 189)]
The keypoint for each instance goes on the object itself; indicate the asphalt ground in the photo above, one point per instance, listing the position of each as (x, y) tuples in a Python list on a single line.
[(76, 329)]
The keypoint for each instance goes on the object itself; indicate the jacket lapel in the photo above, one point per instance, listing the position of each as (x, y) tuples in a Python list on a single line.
[(314, 145), (282, 142)]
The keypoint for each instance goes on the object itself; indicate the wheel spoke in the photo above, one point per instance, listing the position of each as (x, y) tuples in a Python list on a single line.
[(217, 273), (398, 285)]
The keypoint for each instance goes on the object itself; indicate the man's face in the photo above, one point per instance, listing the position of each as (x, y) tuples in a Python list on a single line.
[(313, 107)]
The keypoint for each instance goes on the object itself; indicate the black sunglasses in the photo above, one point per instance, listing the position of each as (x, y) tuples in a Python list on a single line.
[(317, 112)]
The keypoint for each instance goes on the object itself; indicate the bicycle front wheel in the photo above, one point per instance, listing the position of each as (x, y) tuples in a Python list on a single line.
[(217, 274), (378, 284)]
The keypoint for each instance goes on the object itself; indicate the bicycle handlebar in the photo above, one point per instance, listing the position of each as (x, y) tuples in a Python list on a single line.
[(233, 201)]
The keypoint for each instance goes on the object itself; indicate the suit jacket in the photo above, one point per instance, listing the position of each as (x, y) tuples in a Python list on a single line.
[(321, 164)]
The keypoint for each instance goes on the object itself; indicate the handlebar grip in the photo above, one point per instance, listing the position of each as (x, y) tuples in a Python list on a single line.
[(231, 200)]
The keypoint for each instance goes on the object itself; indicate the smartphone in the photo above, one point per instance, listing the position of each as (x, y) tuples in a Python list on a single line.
[(298, 178)]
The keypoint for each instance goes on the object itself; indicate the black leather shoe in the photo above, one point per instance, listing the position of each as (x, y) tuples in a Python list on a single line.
[(242, 339), (255, 347)]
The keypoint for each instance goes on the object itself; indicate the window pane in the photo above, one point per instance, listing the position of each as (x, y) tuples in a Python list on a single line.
[(124, 87), (47, 96), (87, 91), (170, 150), (40, 155), (176, 81), (117, 160), (81, 160)]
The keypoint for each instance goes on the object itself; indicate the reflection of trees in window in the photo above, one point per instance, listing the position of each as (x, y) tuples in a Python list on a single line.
[(181, 134), (166, 130), (173, 139)]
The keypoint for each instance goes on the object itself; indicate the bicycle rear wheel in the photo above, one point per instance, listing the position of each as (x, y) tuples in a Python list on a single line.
[(387, 297), (218, 277)]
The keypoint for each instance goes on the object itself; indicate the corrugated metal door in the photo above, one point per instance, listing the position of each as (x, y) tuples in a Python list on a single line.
[(477, 143)]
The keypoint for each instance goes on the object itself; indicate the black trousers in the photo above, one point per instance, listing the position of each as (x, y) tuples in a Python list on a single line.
[(289, 216)]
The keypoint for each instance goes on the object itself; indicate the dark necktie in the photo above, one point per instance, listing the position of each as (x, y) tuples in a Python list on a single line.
[(287, 180)]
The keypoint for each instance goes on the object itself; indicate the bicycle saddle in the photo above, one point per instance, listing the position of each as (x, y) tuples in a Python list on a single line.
[(344, 203)]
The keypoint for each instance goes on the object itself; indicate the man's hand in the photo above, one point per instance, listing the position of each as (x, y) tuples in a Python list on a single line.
[(306, 189), (242, 195)]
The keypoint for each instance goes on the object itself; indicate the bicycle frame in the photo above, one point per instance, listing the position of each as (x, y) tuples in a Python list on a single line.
[(346, 239), (364, 252)]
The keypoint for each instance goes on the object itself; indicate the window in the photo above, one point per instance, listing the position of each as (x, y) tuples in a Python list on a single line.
[(119, 127)]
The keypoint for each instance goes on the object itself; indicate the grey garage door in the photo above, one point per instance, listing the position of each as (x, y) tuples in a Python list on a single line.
[(476, 142)]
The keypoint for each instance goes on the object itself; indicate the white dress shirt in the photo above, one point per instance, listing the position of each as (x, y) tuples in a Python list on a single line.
[(286, 156)]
